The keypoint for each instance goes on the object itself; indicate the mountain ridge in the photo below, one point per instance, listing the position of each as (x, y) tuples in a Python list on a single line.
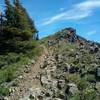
[(70, 35), (68, 69)]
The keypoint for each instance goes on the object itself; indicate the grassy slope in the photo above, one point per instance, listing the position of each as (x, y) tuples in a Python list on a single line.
[(12, 63)]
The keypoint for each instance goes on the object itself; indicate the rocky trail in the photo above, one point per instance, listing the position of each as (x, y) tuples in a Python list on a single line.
[(28, 81), (42, 81)]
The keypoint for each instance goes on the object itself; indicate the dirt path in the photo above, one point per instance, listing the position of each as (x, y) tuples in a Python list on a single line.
[(29, 80)]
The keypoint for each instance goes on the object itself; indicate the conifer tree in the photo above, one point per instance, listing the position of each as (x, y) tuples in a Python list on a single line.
[(18, 24), (23, 21), (9, 13)]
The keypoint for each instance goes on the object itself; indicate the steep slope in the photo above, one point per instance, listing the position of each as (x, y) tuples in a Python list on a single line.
[(73, 68), (68, 70)]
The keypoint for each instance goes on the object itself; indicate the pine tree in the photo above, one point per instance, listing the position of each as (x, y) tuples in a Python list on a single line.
[(23, 21), (9, 13), (18, 24)]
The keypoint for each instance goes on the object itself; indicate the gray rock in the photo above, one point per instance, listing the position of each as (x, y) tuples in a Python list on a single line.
[(73, 88), (20, 77), (61, 84), (45, 82)]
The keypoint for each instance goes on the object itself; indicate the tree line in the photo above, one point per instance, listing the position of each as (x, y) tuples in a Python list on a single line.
[(15, 23), (17, 29)]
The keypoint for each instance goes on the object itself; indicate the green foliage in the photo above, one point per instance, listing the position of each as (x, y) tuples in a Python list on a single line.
[(9, 59), (89, 77), (12, 61), (16, 33), (24, 46), (75, 78), (9, 13), (87, 94), (23, 21), (4, 91), (9, 75), (77, 96), (18, 23), (82, 84), (90, 94)]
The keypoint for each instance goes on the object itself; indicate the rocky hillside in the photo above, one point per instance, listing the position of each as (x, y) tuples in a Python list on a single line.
[(72, 72), (69, 69)]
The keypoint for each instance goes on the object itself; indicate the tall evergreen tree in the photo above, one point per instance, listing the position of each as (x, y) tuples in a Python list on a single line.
[(18, 24), (9, 13), (23, 21)]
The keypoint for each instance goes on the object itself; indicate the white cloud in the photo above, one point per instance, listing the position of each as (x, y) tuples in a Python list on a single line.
[(92, 32), (89, 5), (78, 12)]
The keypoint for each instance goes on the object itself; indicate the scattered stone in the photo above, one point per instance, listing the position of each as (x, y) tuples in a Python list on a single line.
[(20, 77), (61, 84), (73, 88)]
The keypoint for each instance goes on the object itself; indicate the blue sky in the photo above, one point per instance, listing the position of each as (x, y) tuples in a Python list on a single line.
[(52, 15)]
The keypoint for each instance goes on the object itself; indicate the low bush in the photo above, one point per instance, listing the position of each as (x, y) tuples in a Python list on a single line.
[(4, 91)]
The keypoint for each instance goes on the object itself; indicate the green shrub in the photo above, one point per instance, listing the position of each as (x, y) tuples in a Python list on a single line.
[(4, 91), (9, 75), (12, 32), (12, 58), (8, 59), (89, 77), (90, 94), (11, 62), (75, 78), (77, 96), (82, 84)]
